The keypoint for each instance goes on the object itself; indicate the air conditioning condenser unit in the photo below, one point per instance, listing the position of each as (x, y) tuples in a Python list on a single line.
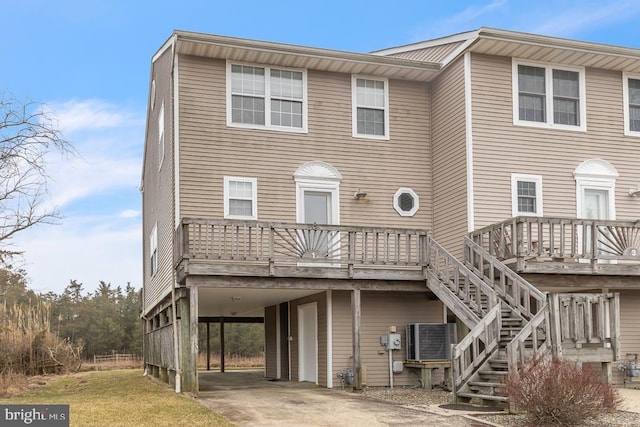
[(430, 341)]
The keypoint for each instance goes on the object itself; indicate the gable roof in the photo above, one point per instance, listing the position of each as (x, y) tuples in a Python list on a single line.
[(520, 45)]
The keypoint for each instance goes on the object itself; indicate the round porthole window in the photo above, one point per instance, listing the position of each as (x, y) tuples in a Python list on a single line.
[(406, 202)]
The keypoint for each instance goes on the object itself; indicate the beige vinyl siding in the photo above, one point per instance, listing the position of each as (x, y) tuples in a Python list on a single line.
[(629, 331), (380, 310), (430, 54), (342, 333), (158, 192), (449, 158), (321, 300), (210, 150), (270, 342), (500, 148)]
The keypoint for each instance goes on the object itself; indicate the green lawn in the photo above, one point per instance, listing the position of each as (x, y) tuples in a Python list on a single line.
[(120, 398)]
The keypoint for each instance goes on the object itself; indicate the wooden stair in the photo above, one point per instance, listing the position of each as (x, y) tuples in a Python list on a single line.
[(497, 305)]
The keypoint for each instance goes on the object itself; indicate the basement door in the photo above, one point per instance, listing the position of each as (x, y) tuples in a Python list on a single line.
[(308, 342)]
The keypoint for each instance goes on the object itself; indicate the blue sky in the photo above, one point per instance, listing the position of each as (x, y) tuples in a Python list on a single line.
[(89, 61)]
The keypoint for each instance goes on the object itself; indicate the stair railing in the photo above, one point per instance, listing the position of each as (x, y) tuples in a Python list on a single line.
[(524, 298), (475, 348), (448, 272), (533, 338)]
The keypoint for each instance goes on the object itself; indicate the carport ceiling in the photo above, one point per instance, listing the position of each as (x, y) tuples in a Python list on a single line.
[(243, 302)]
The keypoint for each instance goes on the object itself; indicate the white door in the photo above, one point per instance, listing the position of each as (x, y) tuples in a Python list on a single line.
[(308, 343), (595, 205), (317, 207)]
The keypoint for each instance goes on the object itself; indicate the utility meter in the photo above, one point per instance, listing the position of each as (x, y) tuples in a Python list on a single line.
[(394, 342)]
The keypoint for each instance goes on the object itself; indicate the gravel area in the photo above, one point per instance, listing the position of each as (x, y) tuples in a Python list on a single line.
[(424, 398)]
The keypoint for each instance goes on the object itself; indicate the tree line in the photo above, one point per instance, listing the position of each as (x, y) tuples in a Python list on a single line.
[(100, 322)]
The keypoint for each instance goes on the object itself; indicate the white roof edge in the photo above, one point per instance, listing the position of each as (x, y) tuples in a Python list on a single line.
[(457, 52), (454, 38), (559, 42), (290, 49), (470, 37), (166, 45)]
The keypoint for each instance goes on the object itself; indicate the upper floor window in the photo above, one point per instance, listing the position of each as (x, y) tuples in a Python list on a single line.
[(161, 136), (549, 96), (153, 251), (526, 195), (264, 97), (370, 99), (631, 94), (240, 198)]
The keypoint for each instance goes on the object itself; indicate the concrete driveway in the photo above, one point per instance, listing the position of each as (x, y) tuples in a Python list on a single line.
[(247, 399)]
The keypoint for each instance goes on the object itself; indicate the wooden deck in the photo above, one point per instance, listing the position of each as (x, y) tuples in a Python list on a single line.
[(208, 247), (564, 245)]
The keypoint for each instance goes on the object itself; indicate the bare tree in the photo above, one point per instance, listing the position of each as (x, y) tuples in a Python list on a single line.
[(27, 134)]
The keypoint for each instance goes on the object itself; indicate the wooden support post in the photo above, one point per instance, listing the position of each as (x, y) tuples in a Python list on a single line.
[(188, 356), (208, 350), (193, 328), (356, 311), (221, 344), (607, 372), (554, 321)]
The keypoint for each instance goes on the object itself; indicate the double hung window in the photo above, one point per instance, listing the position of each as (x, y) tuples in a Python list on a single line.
[(526, 195), (370, 108), (549, 96), (631, 105), (264, 97), (240, 198)]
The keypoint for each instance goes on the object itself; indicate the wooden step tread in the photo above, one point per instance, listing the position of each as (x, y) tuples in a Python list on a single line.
[(484, 396), (486, 384), (498, 373)]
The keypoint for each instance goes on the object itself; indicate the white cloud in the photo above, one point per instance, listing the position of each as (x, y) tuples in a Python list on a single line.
[(108, 139), (130, 213), (96, 193), (84, 250), (75, 115)]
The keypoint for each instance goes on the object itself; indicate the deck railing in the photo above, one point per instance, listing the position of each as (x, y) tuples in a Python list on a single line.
[(585, 321), (579, 240), (255, 242)]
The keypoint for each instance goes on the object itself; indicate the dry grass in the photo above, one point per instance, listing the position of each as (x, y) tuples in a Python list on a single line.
[(131, 363), (118, 398), (231, 361)]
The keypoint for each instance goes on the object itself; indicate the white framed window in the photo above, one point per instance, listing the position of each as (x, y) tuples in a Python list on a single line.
[(266, 97), (406, 202), (370, 102), (549, 96), (631, 99), (153, 251), (240, 198), (526, 195), (161, 136)]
